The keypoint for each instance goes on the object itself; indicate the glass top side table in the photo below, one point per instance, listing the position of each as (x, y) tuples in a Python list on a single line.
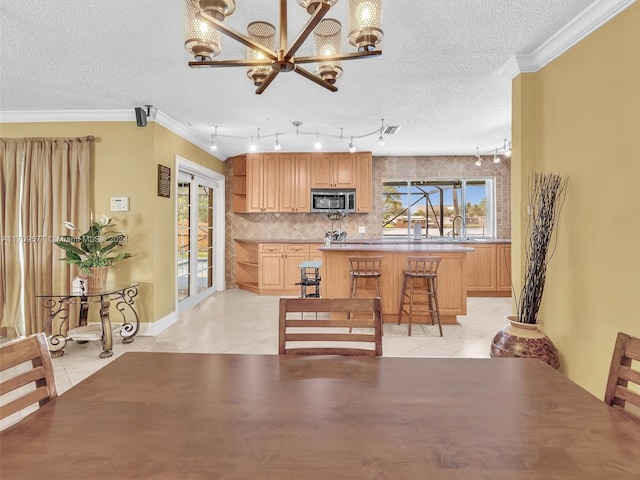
[(58, 304)]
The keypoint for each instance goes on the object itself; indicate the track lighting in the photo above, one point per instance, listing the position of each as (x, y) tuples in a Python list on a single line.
[(507, 148), (214, 145), (381, 138), (351, 140), (352, 148)]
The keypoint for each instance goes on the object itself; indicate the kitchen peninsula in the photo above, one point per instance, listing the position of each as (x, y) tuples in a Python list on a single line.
[(452, 283)]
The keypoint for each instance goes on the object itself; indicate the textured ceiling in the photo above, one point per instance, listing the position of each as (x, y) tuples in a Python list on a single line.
[(437, 76)]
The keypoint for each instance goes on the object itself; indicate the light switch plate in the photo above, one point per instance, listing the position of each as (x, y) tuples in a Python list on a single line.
[(362, 229), (119, 204)]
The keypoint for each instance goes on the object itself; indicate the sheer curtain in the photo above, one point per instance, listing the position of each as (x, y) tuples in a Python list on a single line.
[(43, 183)]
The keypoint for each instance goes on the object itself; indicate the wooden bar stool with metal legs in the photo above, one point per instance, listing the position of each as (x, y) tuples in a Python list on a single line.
[(420, 278), (363, 268)]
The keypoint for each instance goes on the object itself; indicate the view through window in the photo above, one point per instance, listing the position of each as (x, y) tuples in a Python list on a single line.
[(434, 208)]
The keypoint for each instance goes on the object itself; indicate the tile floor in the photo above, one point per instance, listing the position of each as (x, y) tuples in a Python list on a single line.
[(235, 321)]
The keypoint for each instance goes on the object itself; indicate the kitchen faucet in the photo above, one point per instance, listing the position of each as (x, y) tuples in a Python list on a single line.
[(453, 226)]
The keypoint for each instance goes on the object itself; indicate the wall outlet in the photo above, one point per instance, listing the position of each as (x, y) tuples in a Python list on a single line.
[(119, 204), (362, 229)]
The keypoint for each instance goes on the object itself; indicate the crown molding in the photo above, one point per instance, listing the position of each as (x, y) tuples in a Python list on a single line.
[(50, 116), (596, 15), (47, 116)]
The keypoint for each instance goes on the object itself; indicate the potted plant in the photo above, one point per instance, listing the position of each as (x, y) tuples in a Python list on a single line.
[(521, 337), (95, 250)]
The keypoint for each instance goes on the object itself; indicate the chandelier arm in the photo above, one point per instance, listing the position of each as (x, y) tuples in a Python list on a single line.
[(265, 83), (237, 36), (230, 63), (315, 19), (314, 78), (336, 58)]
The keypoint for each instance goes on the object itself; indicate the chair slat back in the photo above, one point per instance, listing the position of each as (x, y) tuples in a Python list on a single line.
[(423, 266), (33, 349), (365, 266), (327, 328), (623, 371)]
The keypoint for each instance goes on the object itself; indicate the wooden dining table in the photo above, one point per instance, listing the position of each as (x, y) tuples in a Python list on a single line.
[(218, 416)]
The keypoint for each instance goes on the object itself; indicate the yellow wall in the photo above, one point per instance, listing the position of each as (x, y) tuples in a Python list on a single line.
[(125, 164), (580, 116)]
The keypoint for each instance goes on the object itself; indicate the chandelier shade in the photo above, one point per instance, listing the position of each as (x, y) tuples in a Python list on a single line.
[(365, 24), (326, 44), (264, 60), (263, 33), (201, 40)]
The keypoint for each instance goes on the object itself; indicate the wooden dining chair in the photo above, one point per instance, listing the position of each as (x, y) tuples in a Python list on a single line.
[(33, 352), (322, 326), (622, 371)]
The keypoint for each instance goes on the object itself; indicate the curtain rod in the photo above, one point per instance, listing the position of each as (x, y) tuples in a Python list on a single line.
[(88, 138)]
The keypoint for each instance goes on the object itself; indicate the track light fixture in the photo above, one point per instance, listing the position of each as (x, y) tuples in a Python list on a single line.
[(381, 138), (214, 145), (506, 147), (317, 143), (478, 159), (352, 148)]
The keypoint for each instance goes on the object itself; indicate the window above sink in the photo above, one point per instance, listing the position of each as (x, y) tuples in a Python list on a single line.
[(443, 209)]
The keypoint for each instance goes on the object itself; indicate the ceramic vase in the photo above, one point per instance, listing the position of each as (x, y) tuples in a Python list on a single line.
[(97, 278), (524, 340)]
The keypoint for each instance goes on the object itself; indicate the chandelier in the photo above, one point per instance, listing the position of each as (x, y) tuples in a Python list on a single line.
[(265, 60)]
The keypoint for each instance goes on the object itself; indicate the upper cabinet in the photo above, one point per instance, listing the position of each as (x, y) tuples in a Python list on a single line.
[(364, 172), (282, 182), (333, 170), (294, 182), (255, 183)]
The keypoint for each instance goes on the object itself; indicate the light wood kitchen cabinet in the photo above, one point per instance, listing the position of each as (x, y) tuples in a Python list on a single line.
[(486, 270), (295, 193), (333, 170), (481, 267), (256, 183), (265, 182), (295, 254), (364, 173), (452, 288), (272, 268), (503, 259)]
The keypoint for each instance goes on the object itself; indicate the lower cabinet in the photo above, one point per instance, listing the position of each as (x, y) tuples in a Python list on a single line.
[(486, 269), (503, 261), (272, 268)]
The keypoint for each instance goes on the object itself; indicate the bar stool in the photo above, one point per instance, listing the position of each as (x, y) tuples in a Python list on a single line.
[(310, 278), (361, 268), (424, 270)]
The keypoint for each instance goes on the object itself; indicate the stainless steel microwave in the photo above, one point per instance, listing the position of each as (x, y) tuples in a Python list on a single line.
[(325, 201)]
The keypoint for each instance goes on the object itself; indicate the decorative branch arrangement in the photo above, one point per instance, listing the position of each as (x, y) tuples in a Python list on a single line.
[(546, 197)]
